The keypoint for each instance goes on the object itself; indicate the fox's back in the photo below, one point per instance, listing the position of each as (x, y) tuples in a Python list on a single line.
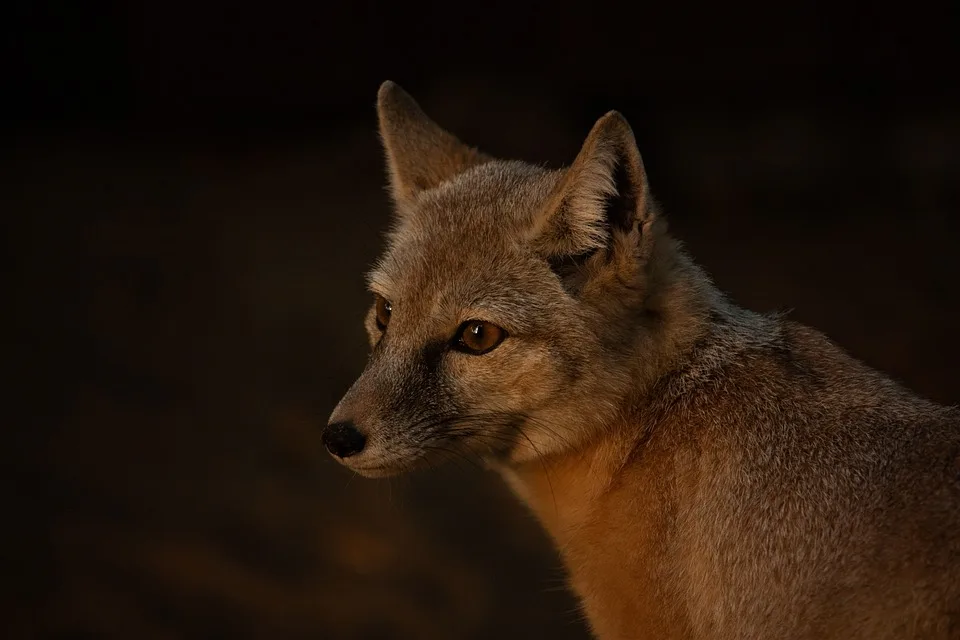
[(813, 497)]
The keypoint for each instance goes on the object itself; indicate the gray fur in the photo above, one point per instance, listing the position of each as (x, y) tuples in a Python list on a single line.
[(715, 473)]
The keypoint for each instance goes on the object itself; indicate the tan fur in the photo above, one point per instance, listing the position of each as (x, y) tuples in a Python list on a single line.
[(705, 471)]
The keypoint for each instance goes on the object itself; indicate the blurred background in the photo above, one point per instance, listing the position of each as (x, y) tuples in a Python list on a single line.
[(194, 191)]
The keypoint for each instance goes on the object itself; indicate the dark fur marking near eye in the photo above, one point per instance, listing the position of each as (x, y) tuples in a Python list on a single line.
[(417, 390), (421, 385), (432, 353)]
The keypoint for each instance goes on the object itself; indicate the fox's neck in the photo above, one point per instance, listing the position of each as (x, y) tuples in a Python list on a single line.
[(669, 313), (607, 502), (562, 489), (609, 515), (696, 329)]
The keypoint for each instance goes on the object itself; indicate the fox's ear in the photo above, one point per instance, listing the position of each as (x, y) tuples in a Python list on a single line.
[(420, 154), (602, 201)]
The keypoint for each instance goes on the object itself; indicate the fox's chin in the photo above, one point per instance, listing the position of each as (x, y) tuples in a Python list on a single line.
[(377, 472), (374, 470), (383, 468)]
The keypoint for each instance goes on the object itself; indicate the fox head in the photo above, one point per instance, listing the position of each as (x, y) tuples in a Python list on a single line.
[(511, 307)]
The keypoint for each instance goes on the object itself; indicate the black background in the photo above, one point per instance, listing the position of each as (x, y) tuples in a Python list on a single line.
[(194, 191)]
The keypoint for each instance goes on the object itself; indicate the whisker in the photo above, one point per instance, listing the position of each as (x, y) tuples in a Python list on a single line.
[(450, 452), (496, 431), (546, 473)]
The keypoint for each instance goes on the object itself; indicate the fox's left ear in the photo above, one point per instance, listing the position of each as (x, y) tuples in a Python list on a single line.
[(420, 154), (602, 202)]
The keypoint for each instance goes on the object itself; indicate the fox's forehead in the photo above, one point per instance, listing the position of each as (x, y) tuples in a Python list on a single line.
[(462, 248), (495, 199)]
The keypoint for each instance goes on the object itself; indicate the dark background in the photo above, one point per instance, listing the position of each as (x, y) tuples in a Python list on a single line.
[(194, 190)]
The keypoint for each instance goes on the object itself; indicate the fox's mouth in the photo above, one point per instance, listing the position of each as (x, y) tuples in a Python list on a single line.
[(368, 456), (381, 467), (374, 462)]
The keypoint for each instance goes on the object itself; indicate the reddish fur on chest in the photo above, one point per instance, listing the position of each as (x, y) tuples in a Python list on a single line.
[(614, 540)]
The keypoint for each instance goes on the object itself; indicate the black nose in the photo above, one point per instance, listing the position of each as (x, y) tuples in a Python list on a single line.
[(343, 440)]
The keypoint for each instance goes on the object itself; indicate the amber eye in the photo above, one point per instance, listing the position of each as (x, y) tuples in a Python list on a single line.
[(478, 337), (383, 312)]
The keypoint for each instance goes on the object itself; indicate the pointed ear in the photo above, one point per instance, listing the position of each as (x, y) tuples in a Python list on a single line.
[(602, 200), (420, 155)]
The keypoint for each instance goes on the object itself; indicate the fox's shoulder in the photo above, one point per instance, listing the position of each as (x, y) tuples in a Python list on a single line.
[(753, 366)]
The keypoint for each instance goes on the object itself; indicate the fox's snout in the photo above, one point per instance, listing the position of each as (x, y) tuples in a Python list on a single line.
[(347, 436), (358, 436)]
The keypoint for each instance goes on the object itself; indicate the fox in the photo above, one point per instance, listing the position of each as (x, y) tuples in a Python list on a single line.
[(704, 471)]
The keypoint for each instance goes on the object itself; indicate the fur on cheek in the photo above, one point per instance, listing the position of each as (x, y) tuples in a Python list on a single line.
[(511, 380)]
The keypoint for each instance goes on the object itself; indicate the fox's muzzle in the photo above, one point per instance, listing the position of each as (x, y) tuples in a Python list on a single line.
[(366, 432)]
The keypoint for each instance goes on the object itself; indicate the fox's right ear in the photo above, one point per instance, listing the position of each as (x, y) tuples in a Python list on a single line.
[(420, 154), (601, 206)]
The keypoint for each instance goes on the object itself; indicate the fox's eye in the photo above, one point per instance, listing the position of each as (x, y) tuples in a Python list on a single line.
[(477, 337), (383, 312)]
